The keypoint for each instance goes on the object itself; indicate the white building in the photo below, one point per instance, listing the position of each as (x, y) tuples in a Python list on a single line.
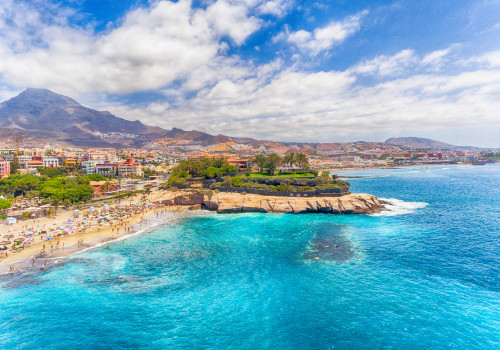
[(106, 169), (129, 168), (50, 162)]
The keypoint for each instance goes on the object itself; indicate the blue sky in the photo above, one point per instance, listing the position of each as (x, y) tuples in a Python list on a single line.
[(314, 71)]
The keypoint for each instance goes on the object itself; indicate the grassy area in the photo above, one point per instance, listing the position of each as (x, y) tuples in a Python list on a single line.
[(296, 174)]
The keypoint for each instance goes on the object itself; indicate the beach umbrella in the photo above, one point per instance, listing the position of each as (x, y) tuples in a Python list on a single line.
[(76, 211), (91, 209)]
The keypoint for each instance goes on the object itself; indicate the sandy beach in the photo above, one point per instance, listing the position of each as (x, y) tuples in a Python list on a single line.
[(85, 231)]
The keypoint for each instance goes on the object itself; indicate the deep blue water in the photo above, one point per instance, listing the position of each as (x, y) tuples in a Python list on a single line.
[(427, 279)]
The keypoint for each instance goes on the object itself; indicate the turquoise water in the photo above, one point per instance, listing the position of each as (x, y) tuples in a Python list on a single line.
[(428, 278)]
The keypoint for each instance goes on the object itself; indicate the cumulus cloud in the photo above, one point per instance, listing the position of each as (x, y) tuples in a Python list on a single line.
[(180, 52), (322, 39), (287, 104), (275, 7), (153, 46)]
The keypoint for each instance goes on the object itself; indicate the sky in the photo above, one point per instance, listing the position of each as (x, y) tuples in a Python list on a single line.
[(284, 70)]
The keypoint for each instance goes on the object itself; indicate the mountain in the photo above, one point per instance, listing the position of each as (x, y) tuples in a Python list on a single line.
[(420, 142), (196, 136), (9, 137), (45, 114)]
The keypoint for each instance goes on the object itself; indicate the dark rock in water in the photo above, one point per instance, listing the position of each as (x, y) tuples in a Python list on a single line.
[(331, 244), (17, 280)]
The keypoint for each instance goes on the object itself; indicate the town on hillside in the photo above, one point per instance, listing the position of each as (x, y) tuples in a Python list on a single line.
[(48, 176)]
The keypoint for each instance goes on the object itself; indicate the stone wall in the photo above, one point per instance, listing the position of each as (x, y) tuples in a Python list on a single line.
[(317, 193)]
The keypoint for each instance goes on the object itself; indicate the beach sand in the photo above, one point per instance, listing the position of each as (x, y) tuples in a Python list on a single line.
[(72, 243)]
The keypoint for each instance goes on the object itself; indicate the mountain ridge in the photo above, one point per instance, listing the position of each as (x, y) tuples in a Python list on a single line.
[(422, 142), (43, 113)]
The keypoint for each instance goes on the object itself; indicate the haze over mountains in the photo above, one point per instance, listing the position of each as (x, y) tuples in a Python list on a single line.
[(38, 115), (420, 142)]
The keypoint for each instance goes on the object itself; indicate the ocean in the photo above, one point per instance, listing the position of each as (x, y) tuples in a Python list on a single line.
[(424, 276)]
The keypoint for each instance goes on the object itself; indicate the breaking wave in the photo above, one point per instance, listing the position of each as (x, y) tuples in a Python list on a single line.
[(395, 207)]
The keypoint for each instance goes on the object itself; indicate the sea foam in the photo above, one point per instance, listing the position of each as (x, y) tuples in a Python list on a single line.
[(395, 207)]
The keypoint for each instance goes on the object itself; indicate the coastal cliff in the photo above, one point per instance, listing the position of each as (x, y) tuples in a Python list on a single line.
[(349, 204), (354, 203)]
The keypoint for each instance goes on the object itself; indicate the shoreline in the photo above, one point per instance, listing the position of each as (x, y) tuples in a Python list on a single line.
[(94, 239), (89, 234), (130, 223)]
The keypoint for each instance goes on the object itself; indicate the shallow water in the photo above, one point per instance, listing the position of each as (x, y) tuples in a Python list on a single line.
[(428, 277)]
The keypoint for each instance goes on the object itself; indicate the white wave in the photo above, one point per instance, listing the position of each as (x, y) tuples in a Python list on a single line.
[(395, 207)]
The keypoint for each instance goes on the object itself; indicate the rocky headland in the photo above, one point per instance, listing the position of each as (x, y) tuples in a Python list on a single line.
[(223, 202)]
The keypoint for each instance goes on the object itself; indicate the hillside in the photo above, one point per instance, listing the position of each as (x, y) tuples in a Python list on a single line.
[(420, 142), (8, 138), (45, 114), (196, 136)]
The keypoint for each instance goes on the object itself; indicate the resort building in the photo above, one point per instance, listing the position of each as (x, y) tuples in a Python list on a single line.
[(129, 168), (4, 169), (106, 169), (50, 162), (242, 164), (89, 166)]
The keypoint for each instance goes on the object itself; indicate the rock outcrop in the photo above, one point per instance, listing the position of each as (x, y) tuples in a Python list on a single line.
[(224, 202), (350, 204)]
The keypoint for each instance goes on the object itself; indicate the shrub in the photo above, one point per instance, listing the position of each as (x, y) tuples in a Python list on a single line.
[(4, 203)]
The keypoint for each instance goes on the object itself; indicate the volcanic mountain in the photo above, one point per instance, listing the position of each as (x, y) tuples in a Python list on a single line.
[(420, 142), (45, 114)]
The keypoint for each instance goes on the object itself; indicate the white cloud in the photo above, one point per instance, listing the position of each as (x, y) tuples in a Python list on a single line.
[(321, 106), (152, 47), (323, 39), (232, 20), (180, 51), (384, 65), (275, 7)]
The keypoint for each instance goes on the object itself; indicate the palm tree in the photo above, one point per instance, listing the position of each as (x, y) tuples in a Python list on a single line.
[(289, 159), (302, 161), (273, 160), (260, 160)]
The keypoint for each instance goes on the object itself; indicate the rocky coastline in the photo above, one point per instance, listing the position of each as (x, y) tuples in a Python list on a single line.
[(223, 202)]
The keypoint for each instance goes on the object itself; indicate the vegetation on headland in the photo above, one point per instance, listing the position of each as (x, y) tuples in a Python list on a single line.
[(217, 173), (281, 183), (208, 168), (269, 164)]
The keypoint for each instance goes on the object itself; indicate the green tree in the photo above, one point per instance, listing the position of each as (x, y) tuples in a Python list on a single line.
[(260, 161), (289, 159), (14, 166), (325, 175), (302, 161), (4, 204), (96, 177), (50, 172), (272, 162)]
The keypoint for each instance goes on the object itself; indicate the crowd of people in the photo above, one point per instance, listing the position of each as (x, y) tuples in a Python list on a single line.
[(118, 218)]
